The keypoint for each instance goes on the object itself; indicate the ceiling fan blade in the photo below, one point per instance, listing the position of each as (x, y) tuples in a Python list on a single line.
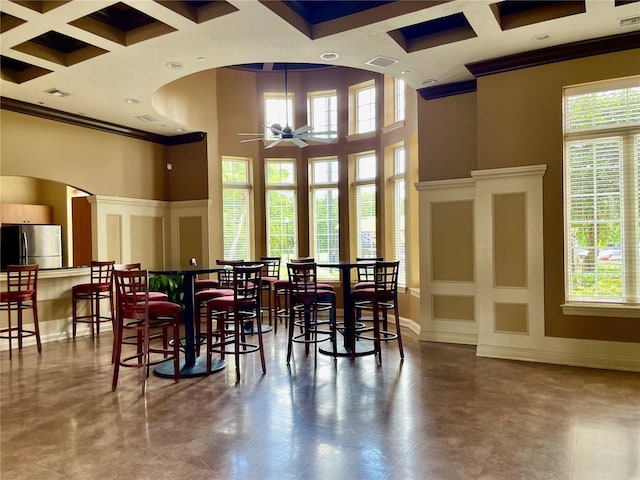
[(304, 129), (319, 139), (299, 142), (251, 140), (273, 144), (252, 134)]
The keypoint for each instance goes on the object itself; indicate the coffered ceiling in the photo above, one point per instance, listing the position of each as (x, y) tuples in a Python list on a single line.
[(103, 60)]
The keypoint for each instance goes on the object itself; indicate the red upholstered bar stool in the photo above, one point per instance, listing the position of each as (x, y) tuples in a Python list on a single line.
[(142, 324), (21, 295), (100, 288), (239, 310), (366, 272), (206, 283), (306, 302), (153, 296), (270, 275), (380, 299)]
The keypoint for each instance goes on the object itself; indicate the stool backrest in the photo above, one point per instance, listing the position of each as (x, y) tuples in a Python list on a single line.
[(247, 281), (22, 279), (225, 277), (127, 266), (366, 271), (386, 276), (271, 267), (132, 293), (102, 272), (303, 279)]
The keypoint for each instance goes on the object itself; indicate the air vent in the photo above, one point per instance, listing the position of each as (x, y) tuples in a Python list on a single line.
[(383, 62), (57, 93), (146, 118), (629, 21)]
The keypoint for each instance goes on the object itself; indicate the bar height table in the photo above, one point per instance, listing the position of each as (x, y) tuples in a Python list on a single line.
[(191, 366), (349, 330)]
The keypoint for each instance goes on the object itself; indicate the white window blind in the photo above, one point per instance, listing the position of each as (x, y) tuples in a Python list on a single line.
[(236, 212), (602, 192), (399, 199), (325, 236), (281, 210), (365, 206)]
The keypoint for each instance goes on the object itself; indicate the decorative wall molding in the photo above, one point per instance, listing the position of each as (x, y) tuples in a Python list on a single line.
[(87, 122)]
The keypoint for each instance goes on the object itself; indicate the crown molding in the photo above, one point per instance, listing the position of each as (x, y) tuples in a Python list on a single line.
[(534, 58), (19, 106), (558, 53)]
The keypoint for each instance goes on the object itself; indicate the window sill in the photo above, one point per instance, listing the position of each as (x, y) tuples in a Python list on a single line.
[(393, 126), (360, 136), (601, 309)]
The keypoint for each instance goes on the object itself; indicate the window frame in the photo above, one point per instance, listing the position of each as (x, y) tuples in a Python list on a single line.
[(331, 114), (268, 121), (282, 187), (628, 135), (242, 186), (355, 218), (314, 186)]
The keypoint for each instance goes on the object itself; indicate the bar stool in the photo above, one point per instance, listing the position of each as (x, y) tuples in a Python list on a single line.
[(383, 297), (366, 272), (306, 301), (21, 294), (153, 296), (100, 288), (239, 310), (140, 322), (270, 275), (207, 283)]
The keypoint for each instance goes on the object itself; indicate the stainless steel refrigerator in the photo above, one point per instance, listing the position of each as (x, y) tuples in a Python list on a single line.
[(24, 244)]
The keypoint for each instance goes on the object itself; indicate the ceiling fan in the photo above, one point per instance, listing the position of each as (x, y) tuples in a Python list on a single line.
[(298, 136)]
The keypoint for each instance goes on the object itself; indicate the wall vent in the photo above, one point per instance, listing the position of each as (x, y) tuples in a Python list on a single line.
[(383, 62), (146, 118), (629, 21)]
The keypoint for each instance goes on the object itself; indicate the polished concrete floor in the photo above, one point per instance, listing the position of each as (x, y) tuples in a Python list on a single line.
[(443, 414)]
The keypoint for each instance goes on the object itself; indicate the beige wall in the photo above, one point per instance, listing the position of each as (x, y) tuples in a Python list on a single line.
[(515, 119), (91, 160)]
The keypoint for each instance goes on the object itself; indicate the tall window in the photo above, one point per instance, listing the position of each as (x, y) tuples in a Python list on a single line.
[(280, 185), (365, 205), (236, 213), (365, 108), (399, 183), (277, 110), (399, 104), (325, 237), (322, 109), (602, 191)]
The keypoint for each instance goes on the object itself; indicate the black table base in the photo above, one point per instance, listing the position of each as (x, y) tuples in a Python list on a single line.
[(199, 369)]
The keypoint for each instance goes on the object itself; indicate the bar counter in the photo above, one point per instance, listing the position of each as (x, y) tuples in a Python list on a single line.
[(54, 304)]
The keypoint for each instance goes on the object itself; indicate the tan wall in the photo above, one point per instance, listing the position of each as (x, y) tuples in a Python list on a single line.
[(518, 121), (94, 161), (448, 137)]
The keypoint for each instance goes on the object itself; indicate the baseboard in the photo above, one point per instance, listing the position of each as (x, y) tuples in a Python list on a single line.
[(52, 331), (577, 353), (449, 337)]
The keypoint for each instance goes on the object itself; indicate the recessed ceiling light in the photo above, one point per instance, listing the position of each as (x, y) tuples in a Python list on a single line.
[(179, 129), (329, 56), (201, 59), (429, 81), (57, 93), (541, 37), (174, 65), (146, 118), (404, 72), (132, 101)]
